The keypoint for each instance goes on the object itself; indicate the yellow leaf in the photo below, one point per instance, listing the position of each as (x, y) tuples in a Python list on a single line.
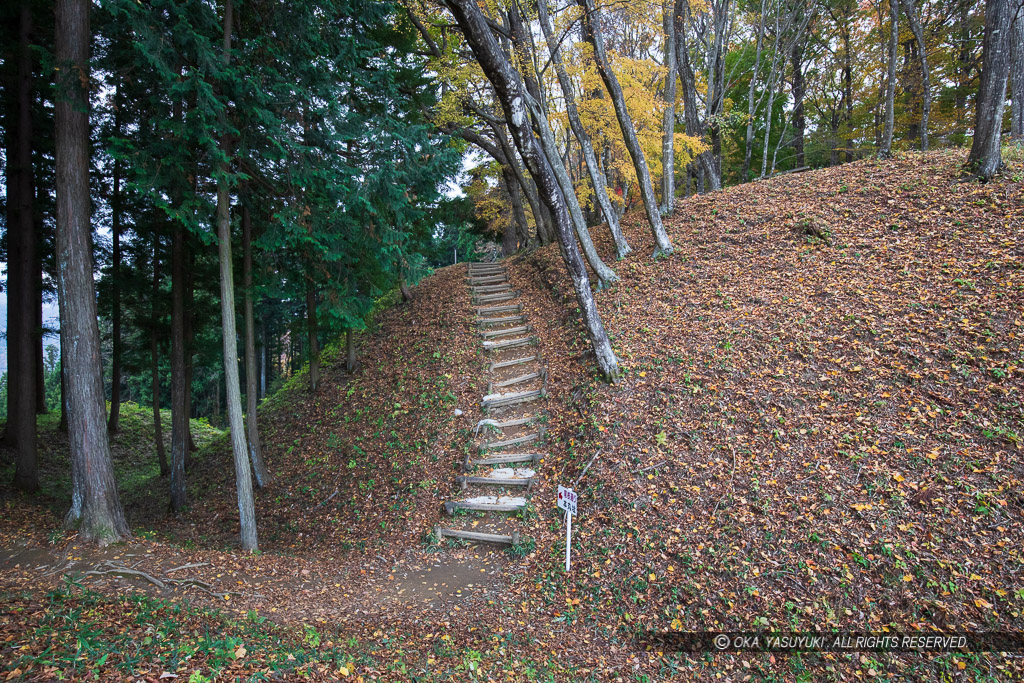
[(982, 603), (908, 577), (343, 671)]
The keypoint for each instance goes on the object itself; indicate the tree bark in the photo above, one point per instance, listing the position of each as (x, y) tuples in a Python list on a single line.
[(312, 331), (508, 89), (597, 179), (751, 108), (179, 416), (534, 103), (985, 159), (251, 376), (1017, 77), (154, 359), (668, 122), (115, 277), (102, 519), (239, 449), (517, 226), (922, 49), (593, 33), (350, 351), (799, 124), (885, 150), (21, 260)]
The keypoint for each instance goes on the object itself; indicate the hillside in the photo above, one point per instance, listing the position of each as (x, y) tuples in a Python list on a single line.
[(819, 427)]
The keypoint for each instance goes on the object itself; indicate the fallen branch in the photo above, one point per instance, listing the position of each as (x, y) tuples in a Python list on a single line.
[(188, 566)]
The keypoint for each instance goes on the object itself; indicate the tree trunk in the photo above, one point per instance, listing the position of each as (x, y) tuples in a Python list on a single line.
[(1017, 76), (21, 260), (922, 49), (885, 150), (189, 340), (243, 474), (506, 84), (350, 351), (534, 103), (668, 122), (985, 159), (597, 179), (593, 33), (751, 109), (154, 359), (312, 330), (102, 519), (797, 57), (517, 226), (37, 328), (179, 376), (251, 376), (115, 293)]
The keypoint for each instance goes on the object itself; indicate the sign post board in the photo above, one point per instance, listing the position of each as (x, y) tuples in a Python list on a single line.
[(567, 502)]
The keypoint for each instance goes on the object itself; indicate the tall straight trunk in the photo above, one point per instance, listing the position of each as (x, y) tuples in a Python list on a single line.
[(597, 179), (507, 86), (751, 108), (188, 328), (264, 359), (517, 226), (694, 126), (799, 124), (1017, 76), (154, 360), (668, 122), (312, 329), (922, 50), (885, 150), (102, 519), (532, 94), (179, 416), (593, 33), (21, 260), (243, 473), (115, 282), (350, 351), (985, 159), (251, 376)]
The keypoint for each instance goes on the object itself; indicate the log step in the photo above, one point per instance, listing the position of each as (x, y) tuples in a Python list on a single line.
[(492, 289), (487, 272), (487, 280), (509, 319), (495, 298), (509, 343), (464, 481), (525, 438), (512, 308), (489, 334), (476, 536), (503, 459), (503, 424), (487, 504), (502, 400), (517, 380), (514, 361)]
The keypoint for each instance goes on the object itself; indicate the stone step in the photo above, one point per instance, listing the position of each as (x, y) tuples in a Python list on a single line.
[(495, 298), (441, 533), (502, 459), (508, 319), (487, 279), (490, 334), (464, 481), (487, 504), (517, 380), (509, 343), (512, 308), (491, 289), (525, 438), (492, 401), (514, 361)]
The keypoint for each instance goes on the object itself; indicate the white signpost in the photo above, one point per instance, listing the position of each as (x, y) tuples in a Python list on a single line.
[(567, 502)]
